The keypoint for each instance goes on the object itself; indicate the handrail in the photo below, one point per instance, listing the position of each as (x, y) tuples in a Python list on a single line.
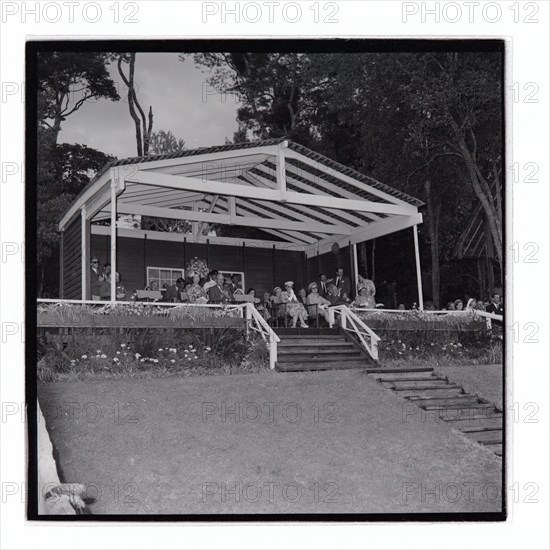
[(358, 327), (265, 330), (100, 303)]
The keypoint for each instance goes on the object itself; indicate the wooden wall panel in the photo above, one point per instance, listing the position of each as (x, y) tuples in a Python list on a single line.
[(71, 264), (134, 255)]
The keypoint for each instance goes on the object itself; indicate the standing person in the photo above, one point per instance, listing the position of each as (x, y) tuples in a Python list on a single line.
[(495, 306), (218, 294), (322, 285), (196, 293), (106, 271), (342, 283), (105, 290), (234, 284), (96, 278), (212, 276)]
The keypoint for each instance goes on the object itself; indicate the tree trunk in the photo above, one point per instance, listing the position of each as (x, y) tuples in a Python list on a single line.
[(481, 189), (132, 99), (433, 229)]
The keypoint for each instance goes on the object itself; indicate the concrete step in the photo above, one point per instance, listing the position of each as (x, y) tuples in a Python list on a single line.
[(319, 344), (319, 366), (409, 370), (319, 357)]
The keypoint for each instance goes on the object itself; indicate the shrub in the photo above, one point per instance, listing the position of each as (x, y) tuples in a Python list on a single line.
[(128, 353)]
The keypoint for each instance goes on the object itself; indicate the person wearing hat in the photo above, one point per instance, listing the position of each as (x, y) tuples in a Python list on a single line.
[(96, 278), (293, 307), (459, 304), (316, 303)]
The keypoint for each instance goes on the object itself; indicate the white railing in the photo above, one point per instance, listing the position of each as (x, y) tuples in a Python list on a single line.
[(253, 318), (256, 322), (440, 312), (351, 323)]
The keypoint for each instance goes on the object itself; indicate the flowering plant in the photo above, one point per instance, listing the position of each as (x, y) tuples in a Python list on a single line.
[(200, 266)]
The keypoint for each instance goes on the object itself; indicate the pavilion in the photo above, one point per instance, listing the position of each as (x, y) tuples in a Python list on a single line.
[(310, 209)]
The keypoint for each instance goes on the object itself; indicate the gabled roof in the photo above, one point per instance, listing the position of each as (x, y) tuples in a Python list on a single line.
[(313, 200), (309, 153)]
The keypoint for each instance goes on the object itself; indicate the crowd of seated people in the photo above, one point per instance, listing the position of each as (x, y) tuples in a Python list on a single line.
[(307, 305)]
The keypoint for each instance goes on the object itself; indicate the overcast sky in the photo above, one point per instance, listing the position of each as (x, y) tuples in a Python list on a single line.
[(180, 103)]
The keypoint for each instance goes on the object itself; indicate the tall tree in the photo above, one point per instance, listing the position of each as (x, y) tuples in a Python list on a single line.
[(392, 116), (143, 124), (66, 81), (165, 143)]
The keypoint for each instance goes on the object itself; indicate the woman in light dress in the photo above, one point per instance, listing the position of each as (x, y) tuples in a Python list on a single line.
[(293, 307), (315, 299), (196, 293), (365, 294)]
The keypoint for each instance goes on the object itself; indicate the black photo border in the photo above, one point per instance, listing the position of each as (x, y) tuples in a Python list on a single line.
[(320, 45)]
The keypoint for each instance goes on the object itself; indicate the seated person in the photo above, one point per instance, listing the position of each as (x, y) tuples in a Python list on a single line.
[(173, 293), (367, 295), (362, 299), (252, 292), (105, 290), (302, 296), (195, 292), (277, 300), (294, 308), (263, 305), (315, 299), (334, 297), (218, 294)]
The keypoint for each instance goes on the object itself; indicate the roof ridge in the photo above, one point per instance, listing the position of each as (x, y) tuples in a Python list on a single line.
[(201, 150)]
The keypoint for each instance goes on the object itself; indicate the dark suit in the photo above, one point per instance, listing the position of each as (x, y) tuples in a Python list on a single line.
[(343, 284), (173, 294), (495, 309), (336, 300), (322, 291), (216, 295)]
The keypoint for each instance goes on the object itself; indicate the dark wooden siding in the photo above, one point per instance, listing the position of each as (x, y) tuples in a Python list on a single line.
[(329, 262), (72, 251), (258, 264)]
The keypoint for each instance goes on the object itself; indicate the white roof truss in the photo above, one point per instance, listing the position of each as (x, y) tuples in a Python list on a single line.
[(307, 203)]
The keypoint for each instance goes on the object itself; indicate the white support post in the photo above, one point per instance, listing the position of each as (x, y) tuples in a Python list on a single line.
[(113, 239), (84, 253), (281, 170), (343, 318), (248, 316), (418, 271), (272, 353), (330, 317)]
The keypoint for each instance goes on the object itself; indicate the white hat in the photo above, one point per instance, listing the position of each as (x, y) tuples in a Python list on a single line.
[(289, 283)]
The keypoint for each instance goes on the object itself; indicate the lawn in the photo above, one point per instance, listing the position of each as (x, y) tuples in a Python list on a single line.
[(331, 442)]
